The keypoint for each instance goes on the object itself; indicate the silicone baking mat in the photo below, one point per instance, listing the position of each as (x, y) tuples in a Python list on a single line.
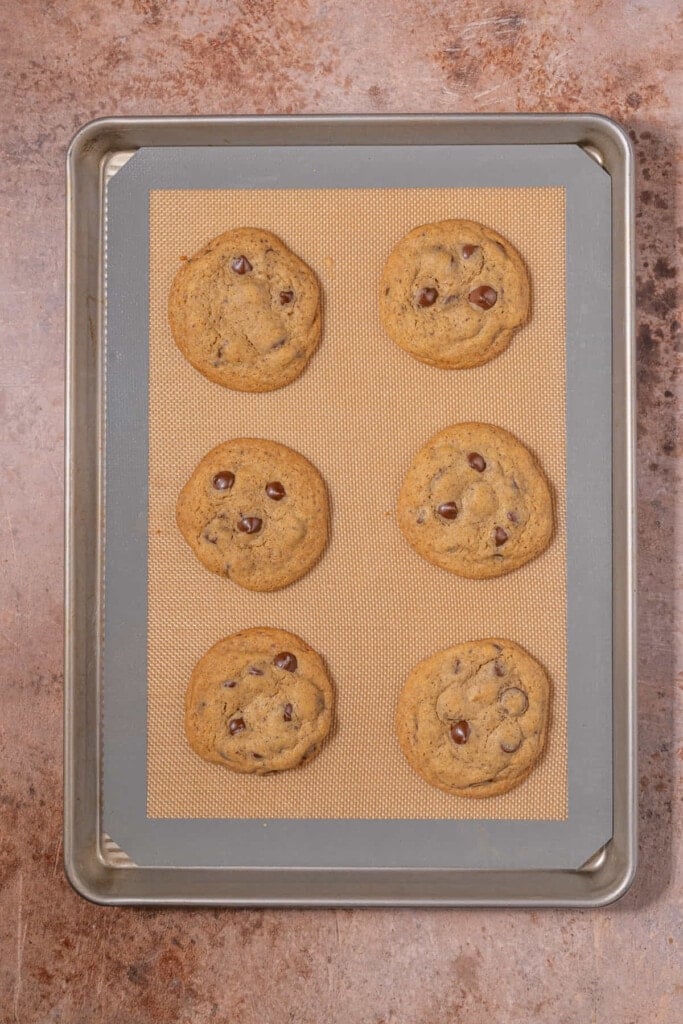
[(371, 607)]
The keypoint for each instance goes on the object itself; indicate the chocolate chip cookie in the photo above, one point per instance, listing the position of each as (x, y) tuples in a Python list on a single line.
[(256, 512), (475, 502), (453, 293), (245, 311), (259, 701), (472, 720)]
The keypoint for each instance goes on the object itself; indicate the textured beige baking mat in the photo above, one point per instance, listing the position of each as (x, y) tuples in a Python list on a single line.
[(371, 607)]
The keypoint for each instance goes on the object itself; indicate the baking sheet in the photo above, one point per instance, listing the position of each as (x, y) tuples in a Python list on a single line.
[(390, 843)]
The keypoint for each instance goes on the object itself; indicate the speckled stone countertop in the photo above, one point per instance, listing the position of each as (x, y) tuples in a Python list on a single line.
[(62, 959)]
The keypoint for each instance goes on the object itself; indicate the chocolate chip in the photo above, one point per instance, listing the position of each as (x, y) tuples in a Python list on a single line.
[(468, 250), (514, 700), (250, 524), (513, 517), (259, 757), (498, 668), (286, 661), (484, 296), (287, 712), (427, 296), (420, 517), (236, 725), (476, 461), (224, 480), (241, 265), (500, 535), (230, 683), (448, 510), (278, 344), (286, 298), (460, 731), (210, 538), (275, 490), (456, 665), (509, 746), (254, 670), (218, 361)]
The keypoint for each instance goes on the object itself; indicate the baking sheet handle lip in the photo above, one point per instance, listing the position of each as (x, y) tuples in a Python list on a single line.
[(92, 131), (98, 884)]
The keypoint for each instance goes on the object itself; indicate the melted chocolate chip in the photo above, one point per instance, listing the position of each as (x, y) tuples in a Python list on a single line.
[(218, 361), (287, 712), (286, 298), (250, 524), (500, 535), (427, 296), (484, 296), (285, 661), (236, 725), (210, 538), (254, 670), (460, 731), (241, 265), (259, 757), (468, 250), (498, 668), (275, 490), (230, 684), (224, 480), (278, 344), (509, 746), (513, 517), (456, 665), (514, 700), (448, 510), (476, 461)]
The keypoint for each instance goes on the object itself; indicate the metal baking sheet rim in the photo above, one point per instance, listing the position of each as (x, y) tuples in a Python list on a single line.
[(93, 862)]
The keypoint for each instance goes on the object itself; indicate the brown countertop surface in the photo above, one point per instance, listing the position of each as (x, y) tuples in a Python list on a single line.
[(62, 959)]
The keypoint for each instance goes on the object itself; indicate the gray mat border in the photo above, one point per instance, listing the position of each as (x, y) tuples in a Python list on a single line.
[(328, 843)]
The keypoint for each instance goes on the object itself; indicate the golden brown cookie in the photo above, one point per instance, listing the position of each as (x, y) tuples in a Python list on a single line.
[(245, 311), (472, 720), (453, 293), (475, 502), (256, 512), (259, 701)]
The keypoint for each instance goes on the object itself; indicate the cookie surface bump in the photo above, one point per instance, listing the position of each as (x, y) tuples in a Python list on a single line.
[(472, 720), (259, 701), (453, 293), (256, 512), (475, 502), (245, 311)]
